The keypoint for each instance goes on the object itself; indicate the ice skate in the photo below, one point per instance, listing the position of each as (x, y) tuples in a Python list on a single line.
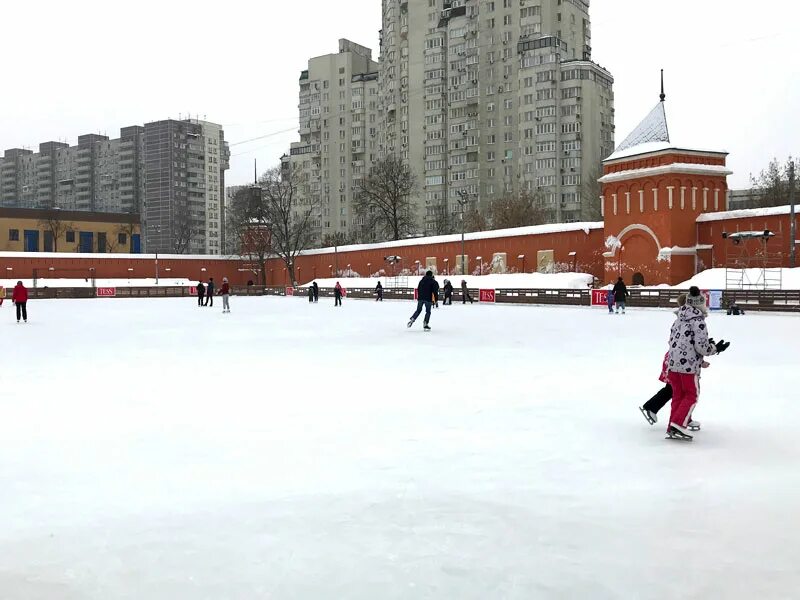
[(676, 432), (426, 327), (694, 425), (410, 323), (649, 416)]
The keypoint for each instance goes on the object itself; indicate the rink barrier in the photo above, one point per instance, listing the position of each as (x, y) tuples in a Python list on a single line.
[(756, 300), (749, 300)]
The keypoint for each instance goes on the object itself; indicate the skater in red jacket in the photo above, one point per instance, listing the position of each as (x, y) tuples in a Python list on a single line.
[(20, 298)]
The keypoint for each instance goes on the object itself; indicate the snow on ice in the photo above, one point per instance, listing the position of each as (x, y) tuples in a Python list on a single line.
[(153, 449)]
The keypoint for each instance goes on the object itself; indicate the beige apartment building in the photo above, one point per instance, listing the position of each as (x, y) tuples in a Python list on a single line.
[(485, 98), (339, 128)]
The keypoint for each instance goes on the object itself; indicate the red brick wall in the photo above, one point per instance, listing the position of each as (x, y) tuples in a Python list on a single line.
[(724, 253), (589, 249)]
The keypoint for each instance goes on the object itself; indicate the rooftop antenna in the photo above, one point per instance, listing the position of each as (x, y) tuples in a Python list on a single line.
[(663, 95), (255, 171)]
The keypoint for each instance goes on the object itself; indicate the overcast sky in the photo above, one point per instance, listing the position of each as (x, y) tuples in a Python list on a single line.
[(733, 69)]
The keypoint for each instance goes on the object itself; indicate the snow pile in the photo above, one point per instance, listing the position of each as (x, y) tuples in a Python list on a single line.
[(714, 279), (77, 283), (542, 281)]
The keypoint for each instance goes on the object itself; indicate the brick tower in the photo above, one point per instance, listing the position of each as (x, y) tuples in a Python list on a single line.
[(653, 192)]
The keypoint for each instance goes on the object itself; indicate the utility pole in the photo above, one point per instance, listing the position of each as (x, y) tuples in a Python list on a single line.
[(463, 199), (792, 218)]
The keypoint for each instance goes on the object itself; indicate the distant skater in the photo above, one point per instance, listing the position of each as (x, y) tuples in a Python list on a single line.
[(620, 295), (379, 292), (311, 294), (20, 298), (610, 299), (210, 292), (465, 293), (337, 294), (448, 292), (316, 291), (426, 295), (201, 293), (225, 292)]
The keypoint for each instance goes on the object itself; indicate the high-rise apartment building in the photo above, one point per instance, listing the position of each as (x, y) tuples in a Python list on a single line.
[(486, 98), (339, 128), (171, 172), (185, 164)]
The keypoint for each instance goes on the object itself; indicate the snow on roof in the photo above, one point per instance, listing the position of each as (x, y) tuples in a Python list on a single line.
[(480, 235), (751, 234), (690, 168), (746, 213), (653, 128), (201, 257)]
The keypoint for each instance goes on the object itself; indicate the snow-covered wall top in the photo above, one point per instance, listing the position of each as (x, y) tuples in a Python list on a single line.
[(479, 235), (746, 213), (121, 256)]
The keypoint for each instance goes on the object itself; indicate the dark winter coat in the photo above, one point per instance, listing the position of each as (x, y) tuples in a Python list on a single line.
[(689, 342), (337, 291), (427, 289), (20, 293), (448, 289), (210, 288), (225, 289), (620, 291), (201, 289)]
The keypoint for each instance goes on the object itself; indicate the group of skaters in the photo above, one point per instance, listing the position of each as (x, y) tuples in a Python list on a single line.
[(205, 293), (428, 297), (689, 345)]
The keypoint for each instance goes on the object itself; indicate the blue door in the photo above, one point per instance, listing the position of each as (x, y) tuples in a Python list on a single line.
[(137, 243), (87, 241), (31, 240)]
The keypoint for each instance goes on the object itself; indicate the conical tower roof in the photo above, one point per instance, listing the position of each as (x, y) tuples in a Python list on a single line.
[(652, 129)]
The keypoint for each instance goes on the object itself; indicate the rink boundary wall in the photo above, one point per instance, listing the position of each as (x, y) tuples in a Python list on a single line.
[(749, 300)]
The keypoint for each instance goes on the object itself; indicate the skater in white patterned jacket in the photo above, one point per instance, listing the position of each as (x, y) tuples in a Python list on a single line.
[(689, 343)]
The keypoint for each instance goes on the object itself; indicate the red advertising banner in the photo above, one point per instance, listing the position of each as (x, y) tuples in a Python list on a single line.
[(416, 294), (486, 296), (290, 291), (600, 297), (106, 292), (193, 290)]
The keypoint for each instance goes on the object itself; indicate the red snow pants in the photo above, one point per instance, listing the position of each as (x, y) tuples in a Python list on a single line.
[(685, 389)]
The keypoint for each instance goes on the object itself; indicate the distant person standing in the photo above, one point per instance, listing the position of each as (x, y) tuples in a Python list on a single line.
[(337, 294), (225, 292), (426, 296), (201, 293), (209, 292), (316, 291), (20, 298), (465, 293), (620, 295), (448, 292), (379, 292), (610, 298), (311, 294)]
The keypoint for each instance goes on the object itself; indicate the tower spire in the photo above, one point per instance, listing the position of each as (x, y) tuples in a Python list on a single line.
[(663, 95)]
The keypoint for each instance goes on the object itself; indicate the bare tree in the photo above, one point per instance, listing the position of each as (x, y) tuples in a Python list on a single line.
[(474, 221), (591, 190), (287, 216), (443, 222), (55, 226), (247, 218), (515, 211), (182, 232), (384, 200), (771, 186)]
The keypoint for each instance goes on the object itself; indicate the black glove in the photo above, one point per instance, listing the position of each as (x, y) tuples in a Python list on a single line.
[(722, 345)]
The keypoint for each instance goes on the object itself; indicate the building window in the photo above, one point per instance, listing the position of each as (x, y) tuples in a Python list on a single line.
[(13, 235), (70, 237), (122, 238)]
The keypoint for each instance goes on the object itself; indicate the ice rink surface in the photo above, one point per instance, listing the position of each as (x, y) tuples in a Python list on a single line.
[(151, 449)]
